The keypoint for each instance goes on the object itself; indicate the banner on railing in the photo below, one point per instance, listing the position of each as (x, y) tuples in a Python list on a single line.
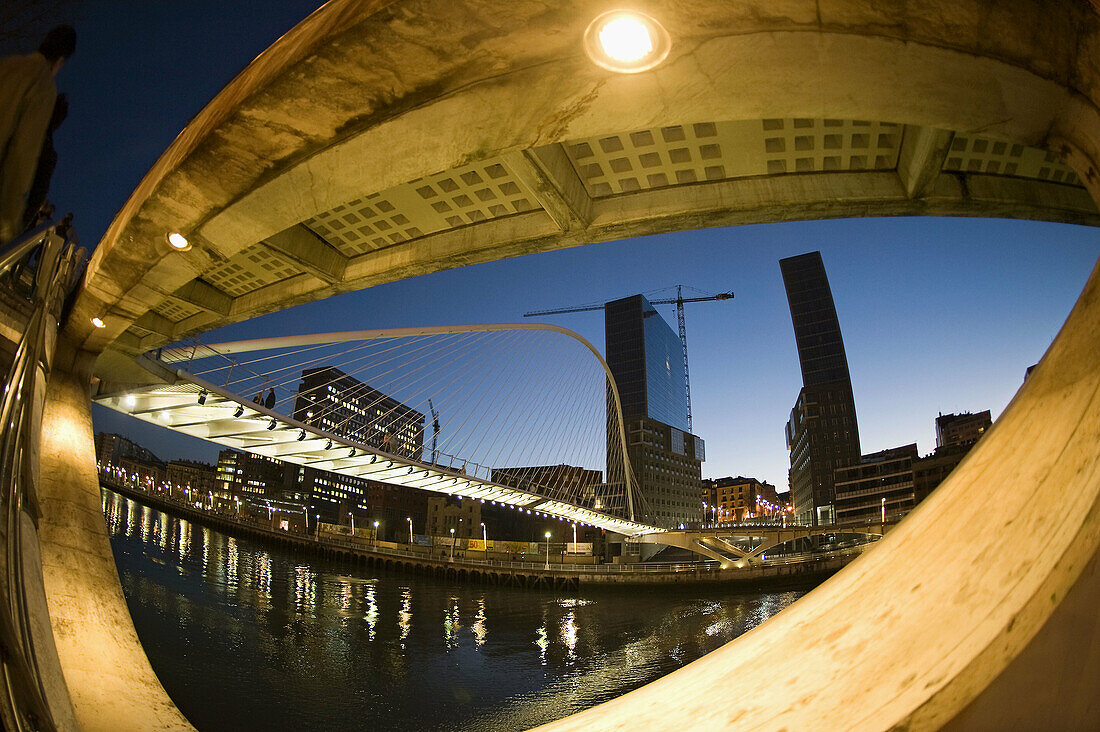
[(422, 539)]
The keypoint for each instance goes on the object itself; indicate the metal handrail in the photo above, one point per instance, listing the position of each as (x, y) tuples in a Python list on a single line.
[(23, 699)]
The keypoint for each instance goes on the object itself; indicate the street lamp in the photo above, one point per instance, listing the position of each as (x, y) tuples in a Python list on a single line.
[(484, 539), (352, 517), (409, 519), (548, 550), (452, 544), (574, 538), (376, 533), (884, 509)]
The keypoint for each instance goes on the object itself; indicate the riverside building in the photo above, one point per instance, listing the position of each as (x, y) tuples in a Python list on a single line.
[(822, 434), (646, 359)]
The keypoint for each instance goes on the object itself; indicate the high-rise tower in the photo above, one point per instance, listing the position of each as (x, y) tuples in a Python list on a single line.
[(822, 434), (646, 358)]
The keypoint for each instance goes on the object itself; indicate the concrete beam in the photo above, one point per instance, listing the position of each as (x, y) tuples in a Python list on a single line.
[(551, 177), (206, 296), (310, 252), (157, 323), (923, 150)]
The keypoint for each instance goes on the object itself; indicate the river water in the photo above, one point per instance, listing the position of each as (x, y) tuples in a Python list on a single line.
[(246, 637)]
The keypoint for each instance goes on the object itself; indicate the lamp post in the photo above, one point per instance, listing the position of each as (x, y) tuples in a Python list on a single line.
[(452, 545), (409, 519), (574, 539), (352, 517), (305, 512), (884, 509), (317, 525), (548, 550), (376, 533), (484, 539)]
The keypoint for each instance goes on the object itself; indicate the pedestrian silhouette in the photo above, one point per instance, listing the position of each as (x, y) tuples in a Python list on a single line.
[(27, 101), (270, 401), (47, 161)]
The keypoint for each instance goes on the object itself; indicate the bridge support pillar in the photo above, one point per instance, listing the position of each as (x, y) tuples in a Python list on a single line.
[(111, 683)]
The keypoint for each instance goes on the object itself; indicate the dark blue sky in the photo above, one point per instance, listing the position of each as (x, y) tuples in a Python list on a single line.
[(938, 315)]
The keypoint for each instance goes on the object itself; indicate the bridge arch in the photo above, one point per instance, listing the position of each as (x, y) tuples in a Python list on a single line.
[(515, 93)]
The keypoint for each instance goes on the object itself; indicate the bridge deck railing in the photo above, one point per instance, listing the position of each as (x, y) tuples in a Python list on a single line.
[(40, 269)]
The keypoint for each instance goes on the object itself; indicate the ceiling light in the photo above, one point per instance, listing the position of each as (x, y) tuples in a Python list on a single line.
[(271, 424), (202, 398), (239, 411), (178, 242), (128, 400), (98, 323), (626, 41)]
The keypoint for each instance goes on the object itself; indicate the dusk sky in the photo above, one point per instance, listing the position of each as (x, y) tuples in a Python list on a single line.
[(938, 315)]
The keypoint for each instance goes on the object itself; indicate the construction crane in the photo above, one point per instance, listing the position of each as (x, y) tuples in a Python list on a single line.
[(679, 301), (435, 431)]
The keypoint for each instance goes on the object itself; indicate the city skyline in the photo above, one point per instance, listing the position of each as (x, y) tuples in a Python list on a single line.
[(917, 347), (953, 310)]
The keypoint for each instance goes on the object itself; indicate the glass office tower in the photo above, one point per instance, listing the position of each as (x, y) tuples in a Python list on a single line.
[(646, 358)]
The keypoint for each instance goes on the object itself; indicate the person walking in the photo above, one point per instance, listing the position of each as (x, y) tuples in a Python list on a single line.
[(38, 208), (28, 97)]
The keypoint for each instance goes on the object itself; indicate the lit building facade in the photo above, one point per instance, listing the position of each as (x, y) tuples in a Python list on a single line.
[(646, 358), (740, 498), (450, 512), (961, 429), (197, 476), (243, 474), (340, 404), (561, 482), (956, 434), (337, 498), (880, 479), (822, 434)]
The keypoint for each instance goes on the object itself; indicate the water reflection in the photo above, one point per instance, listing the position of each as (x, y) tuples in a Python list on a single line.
[(248, 637), (404, 616), (478, 627)]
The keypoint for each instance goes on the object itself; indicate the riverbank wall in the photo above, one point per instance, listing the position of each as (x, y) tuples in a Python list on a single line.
[(535, 575)]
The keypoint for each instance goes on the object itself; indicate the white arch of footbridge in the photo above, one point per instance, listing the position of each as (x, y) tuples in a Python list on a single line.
[(194, 406)]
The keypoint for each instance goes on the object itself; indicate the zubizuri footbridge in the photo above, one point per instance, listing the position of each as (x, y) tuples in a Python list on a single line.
[(379, 140)]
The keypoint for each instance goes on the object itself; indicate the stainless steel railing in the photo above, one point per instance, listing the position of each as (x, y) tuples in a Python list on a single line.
[(40, 268)]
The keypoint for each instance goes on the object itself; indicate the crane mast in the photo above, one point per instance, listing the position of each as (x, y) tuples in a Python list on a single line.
[(684, 342), (435, 431)]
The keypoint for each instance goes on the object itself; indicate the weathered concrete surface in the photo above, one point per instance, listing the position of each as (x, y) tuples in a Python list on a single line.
[(366, 95), (113, 687)]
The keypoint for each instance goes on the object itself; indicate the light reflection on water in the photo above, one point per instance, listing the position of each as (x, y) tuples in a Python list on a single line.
[(249, 637)]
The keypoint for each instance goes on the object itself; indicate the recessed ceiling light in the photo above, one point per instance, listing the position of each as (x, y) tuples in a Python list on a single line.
[(178, 241), (98, 323), (626, 41)]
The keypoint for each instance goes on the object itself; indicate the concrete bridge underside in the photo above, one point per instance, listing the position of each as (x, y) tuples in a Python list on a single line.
[(380, 140)]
